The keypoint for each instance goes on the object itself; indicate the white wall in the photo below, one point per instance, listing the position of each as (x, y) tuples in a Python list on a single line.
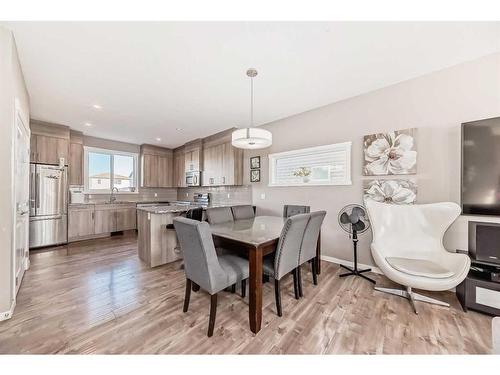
[(436, 104), (11, 87)]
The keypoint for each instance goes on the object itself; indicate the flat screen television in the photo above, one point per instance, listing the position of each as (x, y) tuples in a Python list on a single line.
[(480, 187)]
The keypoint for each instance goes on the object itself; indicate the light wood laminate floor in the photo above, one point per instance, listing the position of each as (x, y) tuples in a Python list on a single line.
[(97, 297)]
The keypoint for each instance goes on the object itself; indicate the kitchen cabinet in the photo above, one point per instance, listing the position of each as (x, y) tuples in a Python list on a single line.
[(157, 167), (49, 150), (222, 165), (114, 217), (179, 178), (75, 162), (192, 155), (80, 222), (49, 142)]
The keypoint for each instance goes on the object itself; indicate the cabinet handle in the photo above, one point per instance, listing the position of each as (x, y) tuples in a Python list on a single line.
[(223, 180), (92, 216)]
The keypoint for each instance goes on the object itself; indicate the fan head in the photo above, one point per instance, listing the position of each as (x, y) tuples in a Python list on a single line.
[(353, 217)]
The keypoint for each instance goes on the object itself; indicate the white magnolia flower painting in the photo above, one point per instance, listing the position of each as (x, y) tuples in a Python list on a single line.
[(391, 191), (393, 153)]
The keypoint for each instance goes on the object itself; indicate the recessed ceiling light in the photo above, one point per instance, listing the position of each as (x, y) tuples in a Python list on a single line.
[(158, 139), (96, 106), (88, 124), (178, 129)]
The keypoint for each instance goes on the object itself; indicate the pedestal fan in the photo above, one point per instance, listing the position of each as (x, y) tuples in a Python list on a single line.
[(353, 219)]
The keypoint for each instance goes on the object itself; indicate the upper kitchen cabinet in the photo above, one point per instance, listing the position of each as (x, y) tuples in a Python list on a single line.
[(179, 167), (157, 169), (75, 164), (222, 163), (49, 143), (192, 155)]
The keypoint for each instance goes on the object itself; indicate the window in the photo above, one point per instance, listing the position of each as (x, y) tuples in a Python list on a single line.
[(105, 169), (323, 165)]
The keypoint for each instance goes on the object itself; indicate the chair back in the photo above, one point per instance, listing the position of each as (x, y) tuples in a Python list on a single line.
[(195, 214), (219, 215), (311, 235), (243, 212), (290, 210), (412, 231), (200, 258), (289, 244)]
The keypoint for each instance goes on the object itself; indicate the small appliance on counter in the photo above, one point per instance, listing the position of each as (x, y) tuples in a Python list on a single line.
[(76, 196)]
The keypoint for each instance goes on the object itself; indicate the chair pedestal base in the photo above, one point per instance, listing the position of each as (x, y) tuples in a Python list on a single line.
[(412, 297)]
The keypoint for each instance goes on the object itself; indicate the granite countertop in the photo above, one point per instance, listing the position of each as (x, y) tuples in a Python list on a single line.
[(118, 201), (167, 209)]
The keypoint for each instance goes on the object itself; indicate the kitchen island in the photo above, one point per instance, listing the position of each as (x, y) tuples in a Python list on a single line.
[(157, 244)]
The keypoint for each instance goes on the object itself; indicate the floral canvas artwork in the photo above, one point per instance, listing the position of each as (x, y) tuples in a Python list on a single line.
[(392, 153), (391, 191)]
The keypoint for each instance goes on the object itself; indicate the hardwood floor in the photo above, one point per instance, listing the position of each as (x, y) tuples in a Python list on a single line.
[(97, 297)]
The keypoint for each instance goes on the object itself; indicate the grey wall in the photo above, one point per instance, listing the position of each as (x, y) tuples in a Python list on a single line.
[(436, 104), (11, 87)]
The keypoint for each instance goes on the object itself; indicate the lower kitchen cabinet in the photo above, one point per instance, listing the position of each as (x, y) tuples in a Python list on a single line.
[(80, 222), (113, 218), (87, 221)]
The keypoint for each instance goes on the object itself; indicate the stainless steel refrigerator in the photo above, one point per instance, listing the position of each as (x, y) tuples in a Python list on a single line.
[(48, 205)]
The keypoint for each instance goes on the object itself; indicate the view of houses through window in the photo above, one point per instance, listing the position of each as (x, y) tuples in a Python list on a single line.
[(105, 169)]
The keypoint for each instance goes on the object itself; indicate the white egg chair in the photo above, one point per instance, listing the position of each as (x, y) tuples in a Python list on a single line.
[(408, 248)]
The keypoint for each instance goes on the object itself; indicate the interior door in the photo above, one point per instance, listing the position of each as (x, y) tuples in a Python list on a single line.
[(21, 183)]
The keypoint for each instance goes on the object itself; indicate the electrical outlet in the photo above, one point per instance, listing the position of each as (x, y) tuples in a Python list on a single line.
[(228, 195), (187, 195), (263, 196), (156, 195)]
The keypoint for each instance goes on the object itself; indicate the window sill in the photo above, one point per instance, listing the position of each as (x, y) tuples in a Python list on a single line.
[(109, 192), (309, 184)]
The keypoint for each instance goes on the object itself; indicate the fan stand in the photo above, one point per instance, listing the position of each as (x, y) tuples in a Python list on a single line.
[(355, 271)]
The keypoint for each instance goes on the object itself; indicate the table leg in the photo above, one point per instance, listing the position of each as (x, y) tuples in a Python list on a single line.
[(255, 289), (318, 255)]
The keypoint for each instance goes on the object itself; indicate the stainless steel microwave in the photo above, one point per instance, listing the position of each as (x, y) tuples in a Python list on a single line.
[(193, 178)]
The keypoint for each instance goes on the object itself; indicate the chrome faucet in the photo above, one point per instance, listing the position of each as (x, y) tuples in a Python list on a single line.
[(112, 197)]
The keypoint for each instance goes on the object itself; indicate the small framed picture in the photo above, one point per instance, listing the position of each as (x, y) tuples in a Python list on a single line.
[(255, 162), (255, 175)]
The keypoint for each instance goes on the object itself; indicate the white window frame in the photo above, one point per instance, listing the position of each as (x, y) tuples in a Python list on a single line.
[(344, 146), (87, 149)]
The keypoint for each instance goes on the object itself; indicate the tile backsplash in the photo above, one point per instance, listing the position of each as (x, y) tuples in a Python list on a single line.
[(162, 194), (219, 194)]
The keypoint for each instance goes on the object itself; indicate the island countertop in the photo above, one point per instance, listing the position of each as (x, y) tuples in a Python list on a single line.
[(169, 209)]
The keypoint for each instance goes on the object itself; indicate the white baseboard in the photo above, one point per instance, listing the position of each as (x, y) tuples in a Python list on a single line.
[(350, 264), (8, 314)]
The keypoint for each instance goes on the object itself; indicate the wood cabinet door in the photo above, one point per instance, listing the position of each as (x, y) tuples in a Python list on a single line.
[(195, 159), (80, 223), (46, 149), (126, 219), (62, 150), (179, 170), (33, 152), (104, 221), (165, 171), (150, 170), (75, 164), (208, 166), (227, 165)]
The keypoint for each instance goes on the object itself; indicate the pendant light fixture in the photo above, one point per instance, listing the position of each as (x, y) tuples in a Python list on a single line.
[(251, 137)]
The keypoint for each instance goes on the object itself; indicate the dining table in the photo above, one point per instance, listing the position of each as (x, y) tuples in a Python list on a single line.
[(256, 238)]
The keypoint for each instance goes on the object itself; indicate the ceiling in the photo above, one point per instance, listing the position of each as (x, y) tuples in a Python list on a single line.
[(183, 80)]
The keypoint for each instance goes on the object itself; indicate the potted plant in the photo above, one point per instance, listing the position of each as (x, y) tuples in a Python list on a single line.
[(303, 172)]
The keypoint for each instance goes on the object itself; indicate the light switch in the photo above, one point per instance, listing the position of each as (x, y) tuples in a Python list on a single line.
[(262, 195)]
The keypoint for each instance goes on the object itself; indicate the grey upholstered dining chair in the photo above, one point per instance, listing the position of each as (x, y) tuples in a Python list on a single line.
[(286, 257), (290, 210), (243, 212), (219, 215), (202, 265), (309, 244)]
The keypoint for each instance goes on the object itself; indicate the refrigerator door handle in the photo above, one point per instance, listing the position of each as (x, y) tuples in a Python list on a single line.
[(37, 190)]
